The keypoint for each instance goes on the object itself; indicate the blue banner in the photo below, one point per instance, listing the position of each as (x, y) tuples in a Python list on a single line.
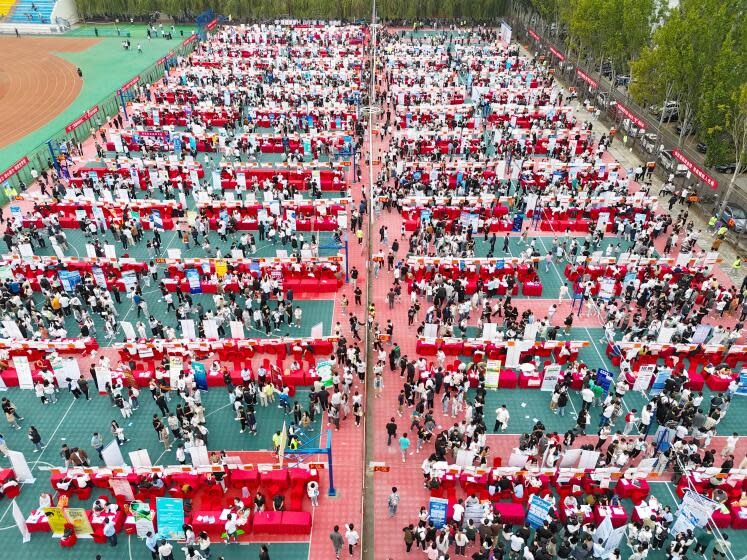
[(742, 387), (200, 376), (155, 218), (518, 223), (537, 512), (170, 518), (438, 510), (193, 279), (69, 279), (604, 379), (661, 377)]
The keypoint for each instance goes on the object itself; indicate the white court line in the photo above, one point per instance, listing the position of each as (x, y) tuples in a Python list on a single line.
[(49, 440)]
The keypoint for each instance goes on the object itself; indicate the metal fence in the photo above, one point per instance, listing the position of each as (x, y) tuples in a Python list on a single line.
[(40, 157)]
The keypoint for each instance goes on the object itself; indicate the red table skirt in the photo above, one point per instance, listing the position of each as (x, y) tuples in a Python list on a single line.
[(510, 513), (268, 523)]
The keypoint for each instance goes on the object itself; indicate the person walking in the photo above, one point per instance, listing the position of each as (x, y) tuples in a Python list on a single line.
[(337, 540), (393, 502), (351, 535), (404, 445), (151, 543)]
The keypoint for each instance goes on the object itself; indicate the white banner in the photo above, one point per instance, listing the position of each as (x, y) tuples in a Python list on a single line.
[(188, 328), (103, 376), (128, 331), (237, 329), (550, 379), (211, 328), (140, 458), (21, 522), (199, 456), (643, 380), (23, 371), (20, 466), (695, 511), (113, 455)]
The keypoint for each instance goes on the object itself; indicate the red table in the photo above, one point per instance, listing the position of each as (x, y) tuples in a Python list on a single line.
[(635, 490), (510, 513), (268, 522), (200, 521), (739, 517), (275, 478), (720, 519), (565, 513), (244, 477), (617, 513), (295, 523), (37, 521), (6, 475), (532, 289)]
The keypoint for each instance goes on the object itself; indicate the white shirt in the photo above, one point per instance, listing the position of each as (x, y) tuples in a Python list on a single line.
[(458, 512)]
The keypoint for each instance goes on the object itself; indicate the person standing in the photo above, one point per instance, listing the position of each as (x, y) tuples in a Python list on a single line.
[(264, 553), (36, 439), (151, 543), (110, 532), (337, 540), (166, 551), (391, 431), (351, 535), (393, 502)]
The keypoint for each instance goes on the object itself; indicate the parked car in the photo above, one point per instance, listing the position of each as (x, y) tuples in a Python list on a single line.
[(730, 167), (735, 213), (670, 111), (622, 80), (631, 129), (649, 143), (701, 147), (671, 164)]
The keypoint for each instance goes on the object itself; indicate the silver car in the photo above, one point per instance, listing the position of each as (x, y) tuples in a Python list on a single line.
[(737, 214)]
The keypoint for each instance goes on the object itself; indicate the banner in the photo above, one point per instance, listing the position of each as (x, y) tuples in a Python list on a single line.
[(129, 278), (324, 371), (170, 515), (438, 509), (604, 379), (537, 512), (193, 279), (113, 455), (82, 119), (644, 377), (23, 370), (659, 380), (21, 522), (69, 279), (79, 520), (492, 374), (13, 169), (20, 466), (695, 511), (550, 379), (143, 516), (742, 387), (188, 328), (99, 277), (237, 329), (56, 520), (121, 487), (200, 375), (221, 267)]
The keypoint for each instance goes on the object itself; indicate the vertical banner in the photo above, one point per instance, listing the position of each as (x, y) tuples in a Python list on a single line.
[(21, 522), (140, 458), (237, 329), (188, 328), (56, 520), (438, 508), (23, 371), (113, 455), (193, 279), (211, 328), (550, 379), (492, 374), (324, 371), (537, 512), (20, 466), (103, 376), (694, 512), (128, 331), (79, 520), (99, 277), (742, 387), (644, 377), (121, 487), (176, 367), (199, 456), (661, 378), (200, 375), (170, 515)]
